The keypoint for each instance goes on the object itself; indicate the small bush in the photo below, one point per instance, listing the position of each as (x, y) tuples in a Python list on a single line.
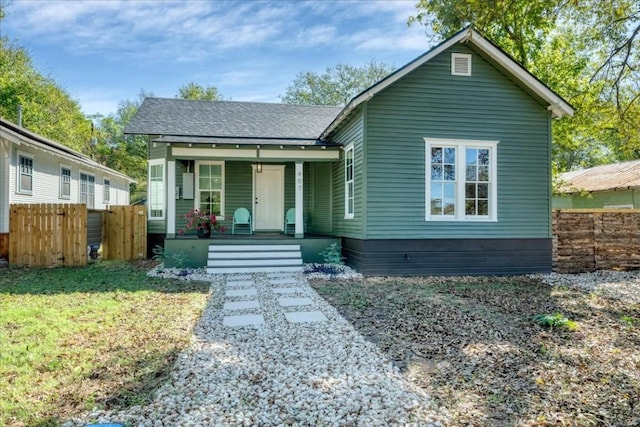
[(332, 254), (556, 320)]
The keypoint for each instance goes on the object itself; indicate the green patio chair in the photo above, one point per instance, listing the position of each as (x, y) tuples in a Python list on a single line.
[(290, 219), (241, 216)]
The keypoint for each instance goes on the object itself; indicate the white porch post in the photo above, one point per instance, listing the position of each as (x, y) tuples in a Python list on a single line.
[(171, 198), (299, 186)]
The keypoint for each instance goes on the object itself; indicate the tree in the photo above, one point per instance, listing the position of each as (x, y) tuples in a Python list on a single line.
[(193, 90), (337, 86), (46, 108), (586, 51)]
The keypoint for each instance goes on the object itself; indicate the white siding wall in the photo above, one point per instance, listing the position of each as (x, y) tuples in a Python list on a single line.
[(4, 188), (46, 180)]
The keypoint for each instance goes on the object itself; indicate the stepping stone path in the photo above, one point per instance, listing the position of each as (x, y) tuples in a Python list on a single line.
[(241, 295)]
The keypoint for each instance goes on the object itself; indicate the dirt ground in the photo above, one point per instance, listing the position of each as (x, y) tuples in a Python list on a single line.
[(472, 344)]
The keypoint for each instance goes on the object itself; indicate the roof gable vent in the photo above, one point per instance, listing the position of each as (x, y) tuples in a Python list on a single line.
[(460, 64)]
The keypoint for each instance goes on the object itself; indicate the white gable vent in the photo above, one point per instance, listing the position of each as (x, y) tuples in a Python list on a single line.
[(460, 64)]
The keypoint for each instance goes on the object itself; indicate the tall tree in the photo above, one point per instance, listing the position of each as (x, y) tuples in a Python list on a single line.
[(47, 108), (193, 90), (586, 51), (336, 86)]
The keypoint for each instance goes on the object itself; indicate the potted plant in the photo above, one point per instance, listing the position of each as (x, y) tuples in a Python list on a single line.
[(203, 222)]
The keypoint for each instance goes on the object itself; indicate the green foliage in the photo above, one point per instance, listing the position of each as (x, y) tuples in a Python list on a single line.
[(193, 90), (630, 320), (332, 254), (180, 259), (47, 108), (158, 253), (336, 86), (587, 51), (555, 320)]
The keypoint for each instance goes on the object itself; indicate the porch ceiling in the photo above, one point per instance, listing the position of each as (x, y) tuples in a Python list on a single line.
[(204, 140)]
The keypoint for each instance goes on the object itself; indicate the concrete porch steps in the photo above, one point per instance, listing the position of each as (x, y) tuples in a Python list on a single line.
[(254, 259)]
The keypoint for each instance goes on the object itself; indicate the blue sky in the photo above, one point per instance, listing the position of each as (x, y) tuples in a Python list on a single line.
[(103, 52)]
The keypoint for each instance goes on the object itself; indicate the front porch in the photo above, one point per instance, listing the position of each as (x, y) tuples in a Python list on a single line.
[(195, 251)]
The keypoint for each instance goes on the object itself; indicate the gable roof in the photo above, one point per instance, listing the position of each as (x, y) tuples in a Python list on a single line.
[(616, 176), (556, 104), (18, 135), (197, 121)]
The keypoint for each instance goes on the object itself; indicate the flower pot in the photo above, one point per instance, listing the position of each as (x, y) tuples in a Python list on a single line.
[(204, 233)]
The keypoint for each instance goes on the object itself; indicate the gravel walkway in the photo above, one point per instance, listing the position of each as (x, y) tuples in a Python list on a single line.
[(300, 364)]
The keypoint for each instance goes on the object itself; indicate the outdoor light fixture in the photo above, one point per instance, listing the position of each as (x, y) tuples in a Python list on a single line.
[(259, 167)]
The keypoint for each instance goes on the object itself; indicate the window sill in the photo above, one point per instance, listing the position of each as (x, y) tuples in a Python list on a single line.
[(25, 193), (349, 217)]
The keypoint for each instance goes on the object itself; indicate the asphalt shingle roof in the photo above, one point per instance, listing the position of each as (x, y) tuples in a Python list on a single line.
[(230, 119), (601, 178)]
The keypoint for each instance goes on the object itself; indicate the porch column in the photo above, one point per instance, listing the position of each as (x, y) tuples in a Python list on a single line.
[(299, 205), (171, 199)]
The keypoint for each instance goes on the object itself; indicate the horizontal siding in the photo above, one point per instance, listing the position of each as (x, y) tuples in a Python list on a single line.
[(601, 199), (320, 211), (4, 188), (429, 102), (46, 181), (350, 133)]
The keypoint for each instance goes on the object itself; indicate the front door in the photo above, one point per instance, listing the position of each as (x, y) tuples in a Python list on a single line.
[(268, 197)]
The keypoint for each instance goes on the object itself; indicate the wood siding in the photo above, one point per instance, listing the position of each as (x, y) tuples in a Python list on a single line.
[(352, 132), (448, 257), (430, 102), (599, 199)]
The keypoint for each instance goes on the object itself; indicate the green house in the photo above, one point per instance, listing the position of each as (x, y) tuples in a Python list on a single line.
[(614, 186), (441, 168)]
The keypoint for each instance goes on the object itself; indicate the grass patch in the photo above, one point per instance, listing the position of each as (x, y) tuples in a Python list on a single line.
[(472, 345), (105, 335)]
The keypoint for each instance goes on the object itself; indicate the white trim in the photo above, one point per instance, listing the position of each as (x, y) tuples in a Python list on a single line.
[(223, 153), (171, 198), (196, 199), (5, 154), (460, 166), (31, 157), (299, 188), (465, 56), (558, 105), (88, 174), (106, 201), (265, 153), (70, 169), (626, 206), (300, 154), (157, 162), (347, 214)]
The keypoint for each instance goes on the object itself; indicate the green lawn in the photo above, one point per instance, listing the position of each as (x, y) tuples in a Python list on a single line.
[(72, 339)]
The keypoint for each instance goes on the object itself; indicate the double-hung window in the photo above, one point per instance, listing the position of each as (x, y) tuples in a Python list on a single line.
[(349, 189), (156, 189), (65, 182), (88, 190), (106, 191), (25, 174), (461, 180), (211, 188)]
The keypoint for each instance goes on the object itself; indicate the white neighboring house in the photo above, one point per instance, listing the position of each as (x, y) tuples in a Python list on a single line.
[(34, 169)]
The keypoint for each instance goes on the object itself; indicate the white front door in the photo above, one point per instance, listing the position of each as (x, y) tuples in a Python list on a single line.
[(268, 212)]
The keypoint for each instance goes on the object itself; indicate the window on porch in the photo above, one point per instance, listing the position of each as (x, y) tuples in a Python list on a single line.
[(210, 192)]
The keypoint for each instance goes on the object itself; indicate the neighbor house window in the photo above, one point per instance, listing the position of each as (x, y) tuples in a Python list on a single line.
[(88, 190), (25, 174), (210, 181), (156, 189), (65, 183), (348, 183), (106, 190), (461, 180)]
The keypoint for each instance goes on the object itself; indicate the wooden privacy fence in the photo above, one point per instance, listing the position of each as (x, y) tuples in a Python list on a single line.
[(596, 239), (56, 234)]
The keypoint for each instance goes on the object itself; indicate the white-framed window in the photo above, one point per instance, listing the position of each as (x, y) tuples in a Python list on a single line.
[(156, 190), (65, 182), (349, 188), (106, 190), (210, 187), (88, 190), (25, 174), (461, 180)]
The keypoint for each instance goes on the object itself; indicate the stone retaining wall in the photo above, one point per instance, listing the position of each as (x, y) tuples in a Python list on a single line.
[(595, 239)]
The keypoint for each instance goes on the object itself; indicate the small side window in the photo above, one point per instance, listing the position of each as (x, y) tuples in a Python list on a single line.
[(65, 183), (25, 174)]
